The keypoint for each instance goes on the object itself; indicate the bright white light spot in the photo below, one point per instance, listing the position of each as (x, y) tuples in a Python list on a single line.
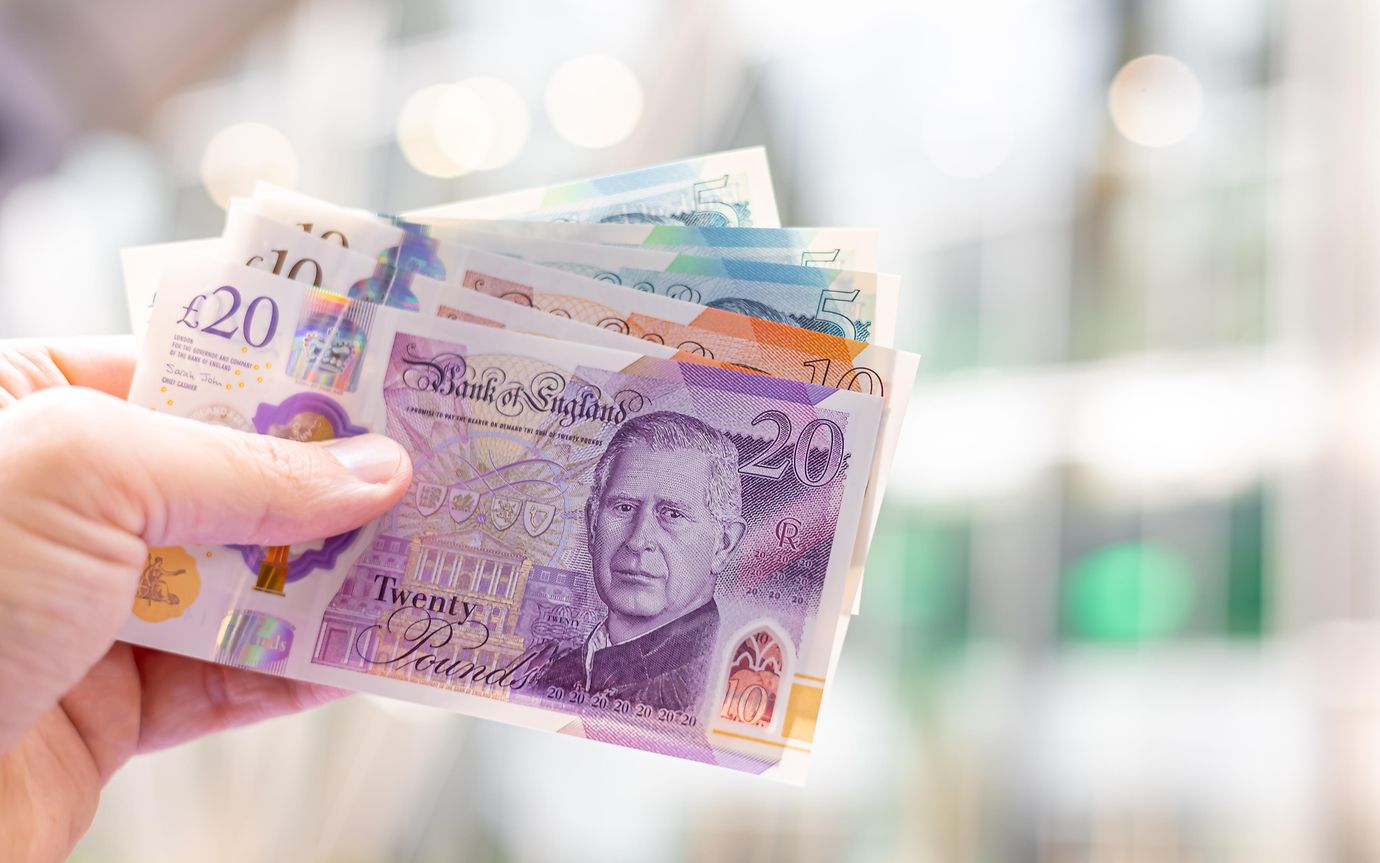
[(479, 124), (594, 101), (464, 126), (1156, 101), (241, 155), (510, 117), (967, 134), (417, 133)]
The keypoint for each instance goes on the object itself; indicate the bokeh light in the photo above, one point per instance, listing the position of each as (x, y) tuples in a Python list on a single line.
[(417, 134), (1156, 101), (479, 124), (509, 116), (1129, 592), (594, 101), (464, 127), (241, 155)]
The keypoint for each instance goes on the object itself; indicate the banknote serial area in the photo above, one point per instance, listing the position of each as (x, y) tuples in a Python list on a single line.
[(934, 431)]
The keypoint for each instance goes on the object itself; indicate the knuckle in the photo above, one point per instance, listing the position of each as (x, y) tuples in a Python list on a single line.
[(26, 366), (276, 459), (285, 470)]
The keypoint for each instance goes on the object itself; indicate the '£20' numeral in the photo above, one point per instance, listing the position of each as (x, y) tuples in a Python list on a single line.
[(251, 327)]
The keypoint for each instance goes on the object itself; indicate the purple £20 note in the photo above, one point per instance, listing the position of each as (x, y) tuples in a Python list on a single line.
[(630, 549)]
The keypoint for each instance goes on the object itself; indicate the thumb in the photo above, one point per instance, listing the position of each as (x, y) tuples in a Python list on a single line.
[(174, 481), (89, 482)]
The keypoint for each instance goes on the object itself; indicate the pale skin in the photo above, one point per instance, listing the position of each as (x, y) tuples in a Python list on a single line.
[(90, 483), (657, 549)]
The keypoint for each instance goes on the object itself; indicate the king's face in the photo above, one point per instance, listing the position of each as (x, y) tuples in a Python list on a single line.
[(653, 540)]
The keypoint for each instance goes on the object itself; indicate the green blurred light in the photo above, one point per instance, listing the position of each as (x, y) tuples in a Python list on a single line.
[(1128, 592)]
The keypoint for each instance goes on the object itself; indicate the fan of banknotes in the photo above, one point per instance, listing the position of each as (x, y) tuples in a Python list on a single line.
[(650, 432)]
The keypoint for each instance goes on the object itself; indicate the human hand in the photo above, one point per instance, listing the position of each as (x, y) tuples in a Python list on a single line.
[(88, 483)]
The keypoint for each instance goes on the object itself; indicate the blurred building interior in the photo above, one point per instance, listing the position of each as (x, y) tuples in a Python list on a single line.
[(1122, 606)]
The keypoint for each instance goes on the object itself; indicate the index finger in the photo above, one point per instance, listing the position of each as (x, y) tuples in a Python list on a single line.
[(104, 363)]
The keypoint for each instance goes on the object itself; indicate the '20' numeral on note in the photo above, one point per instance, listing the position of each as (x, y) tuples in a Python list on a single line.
[(809, 474), (250, 326)]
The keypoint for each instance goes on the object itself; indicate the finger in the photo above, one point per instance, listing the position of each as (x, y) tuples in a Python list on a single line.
[(104, 363), (90, 482), (186, 698), (174, 481)]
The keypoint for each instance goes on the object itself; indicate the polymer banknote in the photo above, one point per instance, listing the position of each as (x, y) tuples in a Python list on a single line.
[(811, 297), (839, 248), (542, 569), (730, 190)]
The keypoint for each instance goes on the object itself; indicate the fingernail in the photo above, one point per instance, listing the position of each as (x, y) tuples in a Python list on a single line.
[(372, 458)]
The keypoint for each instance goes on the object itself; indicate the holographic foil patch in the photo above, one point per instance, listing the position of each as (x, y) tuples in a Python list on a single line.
[(254, 640), (391, 282), (328, 349)]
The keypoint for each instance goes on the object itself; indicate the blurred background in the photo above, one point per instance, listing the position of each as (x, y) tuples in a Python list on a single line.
[(1122, 605)]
